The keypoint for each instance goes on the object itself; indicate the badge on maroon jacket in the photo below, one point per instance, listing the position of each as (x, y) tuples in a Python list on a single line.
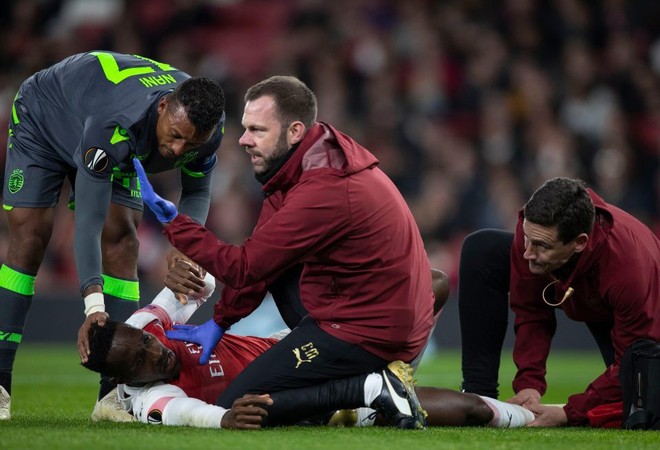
[(96, 159)]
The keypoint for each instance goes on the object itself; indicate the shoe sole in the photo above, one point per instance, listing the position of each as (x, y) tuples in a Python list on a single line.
[(105, 413), (5, 411), (108, 409), (403, 372)]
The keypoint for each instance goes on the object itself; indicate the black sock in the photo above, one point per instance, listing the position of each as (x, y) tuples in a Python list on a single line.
[(5, 381), (16, 291), (295, 405), (106, 385), (121, 301)]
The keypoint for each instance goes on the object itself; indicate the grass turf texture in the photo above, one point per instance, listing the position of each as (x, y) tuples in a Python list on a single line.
[(53, 398)]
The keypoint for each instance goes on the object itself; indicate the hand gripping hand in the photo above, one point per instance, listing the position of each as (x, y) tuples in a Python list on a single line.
[(207, 335), (163, 209)]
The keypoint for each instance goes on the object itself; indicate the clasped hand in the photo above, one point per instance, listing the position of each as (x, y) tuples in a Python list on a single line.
[(247, 412), (546, 415)]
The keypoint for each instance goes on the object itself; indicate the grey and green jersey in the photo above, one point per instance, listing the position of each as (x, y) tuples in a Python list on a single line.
[(88, 116)]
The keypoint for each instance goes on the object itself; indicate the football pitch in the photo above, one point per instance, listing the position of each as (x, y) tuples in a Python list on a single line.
[(53, 397)]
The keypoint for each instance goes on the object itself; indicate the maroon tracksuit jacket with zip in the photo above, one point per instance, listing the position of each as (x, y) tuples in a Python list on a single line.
[(616, 279), (366, 276)]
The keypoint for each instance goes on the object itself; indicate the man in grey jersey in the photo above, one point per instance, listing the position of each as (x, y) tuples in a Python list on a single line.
[(85, 119)]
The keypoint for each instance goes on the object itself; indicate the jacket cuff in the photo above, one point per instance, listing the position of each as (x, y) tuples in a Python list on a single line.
[(574, 416)]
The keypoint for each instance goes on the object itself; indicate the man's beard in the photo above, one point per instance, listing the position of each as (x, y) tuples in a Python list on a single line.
[(274, 162)]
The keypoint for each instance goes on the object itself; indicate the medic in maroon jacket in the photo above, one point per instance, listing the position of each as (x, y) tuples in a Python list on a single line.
[(366, 278), (615, 280)]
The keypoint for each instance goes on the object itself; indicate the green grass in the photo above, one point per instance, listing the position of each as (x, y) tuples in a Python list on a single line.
[(53, 397)]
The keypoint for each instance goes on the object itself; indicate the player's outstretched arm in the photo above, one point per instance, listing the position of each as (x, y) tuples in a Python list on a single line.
[(166, 404)]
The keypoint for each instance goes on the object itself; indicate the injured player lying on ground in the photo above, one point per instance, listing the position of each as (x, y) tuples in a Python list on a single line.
[(161, 382)]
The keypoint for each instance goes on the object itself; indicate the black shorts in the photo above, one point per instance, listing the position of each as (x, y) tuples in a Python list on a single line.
[(35, 171), (305, 357)]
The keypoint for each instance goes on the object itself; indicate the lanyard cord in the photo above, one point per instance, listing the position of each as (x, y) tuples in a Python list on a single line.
[(567, 294)]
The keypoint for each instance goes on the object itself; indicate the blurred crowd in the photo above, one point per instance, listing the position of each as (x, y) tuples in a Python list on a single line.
[(468, 104)]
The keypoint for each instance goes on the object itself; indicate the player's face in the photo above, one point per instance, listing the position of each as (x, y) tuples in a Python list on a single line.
[(137, 357), (174, 132), (264, 139), (544, 251)]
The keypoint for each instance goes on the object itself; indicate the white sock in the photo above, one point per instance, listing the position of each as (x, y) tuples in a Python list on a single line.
[(372, 387), (507, 415), (366, 417)]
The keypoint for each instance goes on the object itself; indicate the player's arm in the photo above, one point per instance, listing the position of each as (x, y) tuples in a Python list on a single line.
[(196, 177), (102, 147), (534, 324), (167, 404), (196, 188), (91, 208), (168, 310), (195, 201), (196, 180), (93, 191)]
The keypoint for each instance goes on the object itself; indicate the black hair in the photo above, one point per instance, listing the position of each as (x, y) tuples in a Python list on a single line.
[(203, 100), (564, 203), (293, 99), (100, 342)]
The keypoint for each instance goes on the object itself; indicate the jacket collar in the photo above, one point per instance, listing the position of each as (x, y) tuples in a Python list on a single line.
[(322, 147)]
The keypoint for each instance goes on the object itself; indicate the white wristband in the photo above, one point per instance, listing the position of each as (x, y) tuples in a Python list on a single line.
[(94, 303)]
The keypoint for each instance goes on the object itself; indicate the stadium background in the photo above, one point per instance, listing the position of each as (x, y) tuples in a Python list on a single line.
[(468, 104)]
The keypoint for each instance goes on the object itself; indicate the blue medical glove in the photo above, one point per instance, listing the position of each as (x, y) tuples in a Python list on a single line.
[(164, 210), (207, 335)]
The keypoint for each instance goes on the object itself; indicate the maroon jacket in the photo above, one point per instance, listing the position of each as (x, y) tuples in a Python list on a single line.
[(366, 276), (616, 279)]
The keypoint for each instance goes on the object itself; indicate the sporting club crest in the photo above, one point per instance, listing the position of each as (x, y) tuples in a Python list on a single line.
[(16, 181)]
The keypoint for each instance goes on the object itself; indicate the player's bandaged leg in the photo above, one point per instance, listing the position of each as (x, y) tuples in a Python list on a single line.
[(507, 415), (121, 300), (16, 291)]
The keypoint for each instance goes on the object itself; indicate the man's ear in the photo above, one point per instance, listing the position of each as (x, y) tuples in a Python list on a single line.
[(295, 132), (581, 242), (162, 105)]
